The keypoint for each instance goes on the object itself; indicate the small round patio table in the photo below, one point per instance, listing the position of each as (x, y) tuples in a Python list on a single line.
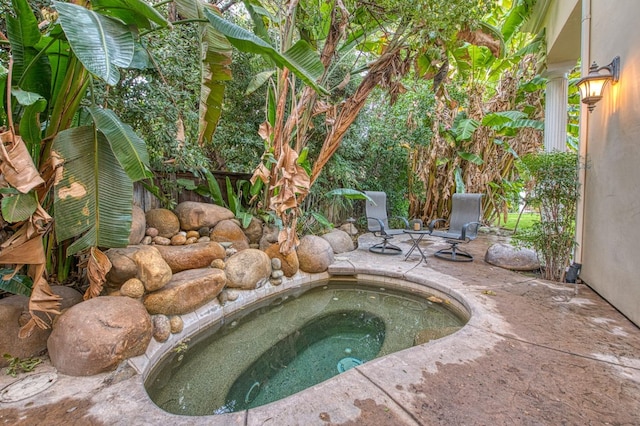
[(416, 238)]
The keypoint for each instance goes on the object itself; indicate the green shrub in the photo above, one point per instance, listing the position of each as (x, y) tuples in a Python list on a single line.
[(555, 193)]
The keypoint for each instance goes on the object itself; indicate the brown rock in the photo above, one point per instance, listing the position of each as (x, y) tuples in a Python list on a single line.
[(254, 230), (230, 231), (269, 236), (152, 232), (14, 313), (192, 256), (161, 327), (133, 288), (123, 266), (247, 269), (138, 225), (178, 240), (176, 323), (186, 292), (288, 263), (161, 241), (96, 335), (191, 240), (509, 257), (193, 234), (217, 263), (340, 241), (164, 220), (314, 254), (194, 215), (153, 271)]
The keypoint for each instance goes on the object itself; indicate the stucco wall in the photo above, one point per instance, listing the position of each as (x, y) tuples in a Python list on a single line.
[(611, 239)]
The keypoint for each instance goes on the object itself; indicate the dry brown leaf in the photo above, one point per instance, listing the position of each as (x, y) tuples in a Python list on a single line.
[(16, 164), (265, 131), (480, 38), (43, 300), (98, 266)]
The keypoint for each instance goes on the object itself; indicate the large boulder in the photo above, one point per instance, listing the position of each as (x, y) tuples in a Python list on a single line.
[(153, 271), (248, 269), (195, 215), (164, 220), (340, 241), (14, 313), (509, 257), (123, 267), (315, 254), (138, 225), (186, 292), (96, 335), (192, 256), (289, 262), (230, 231)]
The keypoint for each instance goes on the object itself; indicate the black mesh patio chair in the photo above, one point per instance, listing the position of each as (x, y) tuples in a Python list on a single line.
[(464, 221), (378, 223)]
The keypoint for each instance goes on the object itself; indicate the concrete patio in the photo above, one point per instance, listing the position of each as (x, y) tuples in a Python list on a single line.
[(534, 352)]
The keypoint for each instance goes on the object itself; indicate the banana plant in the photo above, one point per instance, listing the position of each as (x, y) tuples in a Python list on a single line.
[(78, 161)]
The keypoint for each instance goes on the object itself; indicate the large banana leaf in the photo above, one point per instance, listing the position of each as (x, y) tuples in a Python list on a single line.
[(93, 198), (128, 148), (101, 43), (131, 12), (215, 67), (30, 71), (299, 59)]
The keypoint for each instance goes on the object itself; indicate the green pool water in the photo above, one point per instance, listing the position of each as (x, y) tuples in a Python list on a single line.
[(291, 343)]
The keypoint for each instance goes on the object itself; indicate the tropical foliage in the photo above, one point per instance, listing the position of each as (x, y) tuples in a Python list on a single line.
[(311, 41), (479, 134), (62, 153)]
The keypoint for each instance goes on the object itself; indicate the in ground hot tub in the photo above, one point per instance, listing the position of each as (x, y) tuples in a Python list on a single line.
[(292, 341)]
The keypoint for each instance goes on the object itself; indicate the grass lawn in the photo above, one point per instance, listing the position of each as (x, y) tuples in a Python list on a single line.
[(526, 220)]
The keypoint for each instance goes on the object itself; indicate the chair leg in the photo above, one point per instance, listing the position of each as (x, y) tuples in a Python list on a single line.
[(453, 254), (385, 248)]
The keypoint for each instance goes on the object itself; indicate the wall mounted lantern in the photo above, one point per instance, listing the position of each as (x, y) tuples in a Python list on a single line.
[(592, 86)]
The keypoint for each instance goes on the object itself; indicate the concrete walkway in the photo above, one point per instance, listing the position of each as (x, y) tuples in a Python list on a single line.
[(533, 353)]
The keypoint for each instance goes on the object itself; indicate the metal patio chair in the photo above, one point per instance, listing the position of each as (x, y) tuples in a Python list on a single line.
[(378, 223), (464, 221)]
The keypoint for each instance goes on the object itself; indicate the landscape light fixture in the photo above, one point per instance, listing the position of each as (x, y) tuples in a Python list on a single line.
[(592, 86)]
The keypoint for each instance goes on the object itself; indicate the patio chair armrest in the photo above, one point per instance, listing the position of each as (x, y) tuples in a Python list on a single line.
[(463, 235), (432, 224), (404, 219), (381, 230)]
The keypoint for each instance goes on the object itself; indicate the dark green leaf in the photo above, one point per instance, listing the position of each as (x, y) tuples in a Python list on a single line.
[(214, 189), (187, 184), (300, 59), (94, 198), (31, 72), (465, 128), (131, 12), (17, 208), (128, 148), (215, 67), (18, 284), (258, 80), (102, 44), (470, 157), (30, 127)]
